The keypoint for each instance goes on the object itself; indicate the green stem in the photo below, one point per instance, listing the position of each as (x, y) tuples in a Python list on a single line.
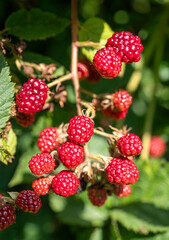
[(152, 105)]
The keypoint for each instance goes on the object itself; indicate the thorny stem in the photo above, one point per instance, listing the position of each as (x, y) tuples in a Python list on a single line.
[(74, 56), (59, 80)]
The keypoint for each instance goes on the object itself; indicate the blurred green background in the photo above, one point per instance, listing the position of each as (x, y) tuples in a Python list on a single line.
[(144, 214)]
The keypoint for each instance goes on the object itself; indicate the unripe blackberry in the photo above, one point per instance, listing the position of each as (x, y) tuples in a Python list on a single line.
[(48, 139), (25, 119), (97, 195), (82, 70), (108, 112), (65, 183), (80, 129), (126, 45), (32, 96), (122, 100), (42, 185), (129, 145), (107, 63), (70, 154), (42, 163), (7, 216), (28, 201), (122, 190), (122, 171), (157, 147)]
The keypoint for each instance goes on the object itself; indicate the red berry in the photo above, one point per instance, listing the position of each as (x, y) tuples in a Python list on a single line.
[(48, 139), (108, 112), (157, 146), (93, 76), (25, 119), (32, 96), (126, 45), (82, 70), (97, 195), (129, 145), (122, 100), (1, 195), (122, 171), (122, 190), (65, 183), (70, 154), (80, 129), (28, 201), (7, 216), (42, 185), (42, 163), (107, 63)]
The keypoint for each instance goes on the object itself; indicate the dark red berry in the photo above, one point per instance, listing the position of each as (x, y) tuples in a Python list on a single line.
[(122, 190), (93, 76), (157, 146), (7, 216), (42, 185), (32, 96), (65, 183), (122, 100), (48, 139), (70, 154), (97, 195), (129, 145), (122, 171), (42, 163), (28, 201), (126, 45), (107, 63), (82, 70), (108, 112), (80, 129), (25, 119)]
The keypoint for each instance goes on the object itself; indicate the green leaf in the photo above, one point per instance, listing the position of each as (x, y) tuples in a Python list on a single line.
[(163, 236), (8, 147), (142, 218), (35, 24), (6, 92), (11, 142), (95, 30), (152, 186), (75, 210), (38, 58), (23, 173)]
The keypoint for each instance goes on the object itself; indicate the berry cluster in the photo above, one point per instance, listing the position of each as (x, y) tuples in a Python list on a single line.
[(32, 96), (121, 47), (117, 172)]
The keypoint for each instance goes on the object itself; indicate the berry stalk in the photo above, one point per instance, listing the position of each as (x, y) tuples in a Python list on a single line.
[(74, 56)]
